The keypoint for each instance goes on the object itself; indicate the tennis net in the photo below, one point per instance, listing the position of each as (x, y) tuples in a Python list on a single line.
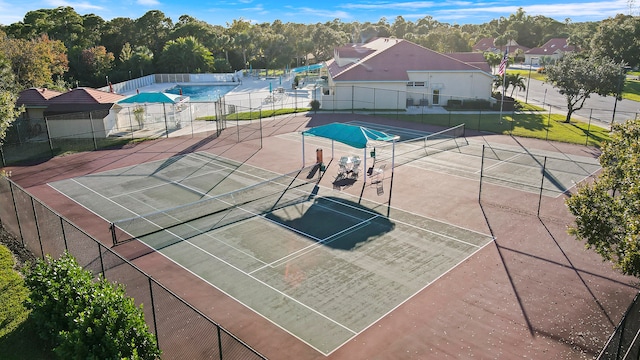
[(188, 220), (416, 148)]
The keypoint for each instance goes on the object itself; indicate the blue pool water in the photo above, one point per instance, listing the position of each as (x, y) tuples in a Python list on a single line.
[(201, 92)]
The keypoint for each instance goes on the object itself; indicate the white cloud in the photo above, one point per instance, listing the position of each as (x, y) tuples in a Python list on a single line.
[(566, 10), (77, 6), (328, 14), (408, 5), (148, 2)]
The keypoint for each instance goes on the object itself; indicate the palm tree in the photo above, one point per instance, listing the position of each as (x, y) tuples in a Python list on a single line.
[(515, 80)]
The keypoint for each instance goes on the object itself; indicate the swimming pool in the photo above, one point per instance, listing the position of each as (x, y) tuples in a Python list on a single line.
[(201, 92)]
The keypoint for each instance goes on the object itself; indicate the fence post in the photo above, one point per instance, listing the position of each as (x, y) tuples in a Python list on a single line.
[(544, 170), (2, 156), (353, 98), (112, 228), (46, 125), (586, 142), (93, 132), (15, 209), (153, 312), (101, 259), (219, 342), (548, 123), (35, 218), (481, 174), (64, 235), (166, 123)]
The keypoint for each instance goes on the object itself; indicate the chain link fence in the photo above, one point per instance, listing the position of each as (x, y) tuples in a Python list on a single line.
[(528, 183), (40, 139), (182, 331), (624, 344)]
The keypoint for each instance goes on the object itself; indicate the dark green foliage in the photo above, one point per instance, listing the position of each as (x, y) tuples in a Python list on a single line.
[(315, 105), (83, 318), (476, 104), (608, 210), (454, 104)]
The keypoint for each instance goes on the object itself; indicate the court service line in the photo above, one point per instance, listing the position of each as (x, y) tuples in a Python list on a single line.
[(240, 271), (414, 226), (195, 228), (319, 242), (504, 162), (415, 293), (104, 197), (259, 281)]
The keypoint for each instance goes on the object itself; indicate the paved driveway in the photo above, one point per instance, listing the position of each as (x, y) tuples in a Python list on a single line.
[(597, 108)]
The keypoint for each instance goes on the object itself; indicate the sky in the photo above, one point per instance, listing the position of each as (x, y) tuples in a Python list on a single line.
[(223, 12)]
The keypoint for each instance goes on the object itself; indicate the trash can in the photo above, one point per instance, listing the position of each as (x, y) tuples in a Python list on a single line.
[(319, 156)]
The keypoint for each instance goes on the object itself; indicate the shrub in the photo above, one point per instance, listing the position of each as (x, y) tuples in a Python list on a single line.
[(454, 104), (314, 105), (476, 104), (84, 319)]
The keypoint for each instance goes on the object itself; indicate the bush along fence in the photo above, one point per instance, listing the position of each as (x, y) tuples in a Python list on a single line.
[(181, 331)]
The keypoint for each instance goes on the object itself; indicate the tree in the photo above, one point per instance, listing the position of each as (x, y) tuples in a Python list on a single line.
[(185, 55), (97, 62), (34, 62), (512, 80), (152, 30), (141, 59), (325, 40), (618, 39), (578, 77), (607, 211), (86, 319), (8, 87)]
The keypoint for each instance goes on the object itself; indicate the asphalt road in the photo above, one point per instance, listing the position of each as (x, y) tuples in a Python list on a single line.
[(597, 108)]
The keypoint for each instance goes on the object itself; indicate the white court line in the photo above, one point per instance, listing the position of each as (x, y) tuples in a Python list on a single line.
[(236, 269), (268, 286)]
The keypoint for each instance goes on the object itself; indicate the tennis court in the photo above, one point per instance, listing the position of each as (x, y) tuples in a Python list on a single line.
[(317, 262), (450, 152)]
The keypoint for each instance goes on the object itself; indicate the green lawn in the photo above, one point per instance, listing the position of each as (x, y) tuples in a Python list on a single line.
[(532, 124), (525, 74), (630, 91)]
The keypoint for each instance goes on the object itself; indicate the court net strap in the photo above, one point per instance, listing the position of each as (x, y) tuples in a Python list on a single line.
[(156, 221)]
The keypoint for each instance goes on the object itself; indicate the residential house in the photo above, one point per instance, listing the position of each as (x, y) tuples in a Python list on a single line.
[(390, 73), (488, 44), (551, 51)]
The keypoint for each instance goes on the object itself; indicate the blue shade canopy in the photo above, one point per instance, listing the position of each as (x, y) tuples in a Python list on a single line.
[(152, 97), (352, 135)]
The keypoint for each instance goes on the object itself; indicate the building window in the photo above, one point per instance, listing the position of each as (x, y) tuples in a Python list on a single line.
[(416, 84), (436, 97)]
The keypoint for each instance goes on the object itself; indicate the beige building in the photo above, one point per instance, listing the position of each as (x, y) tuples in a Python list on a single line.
[(396, 74)]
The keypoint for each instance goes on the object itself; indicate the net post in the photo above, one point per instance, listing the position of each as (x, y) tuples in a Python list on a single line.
[(481, 174), (112, 228)]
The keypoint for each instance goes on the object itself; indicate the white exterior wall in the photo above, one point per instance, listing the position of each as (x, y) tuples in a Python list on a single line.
[(77, 128), (394, 95)]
